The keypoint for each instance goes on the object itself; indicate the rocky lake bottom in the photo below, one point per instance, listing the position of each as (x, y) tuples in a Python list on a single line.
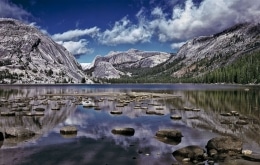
[(130, 124)]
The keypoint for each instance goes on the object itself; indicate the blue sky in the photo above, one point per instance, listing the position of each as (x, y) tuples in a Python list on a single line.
[(95, 27)]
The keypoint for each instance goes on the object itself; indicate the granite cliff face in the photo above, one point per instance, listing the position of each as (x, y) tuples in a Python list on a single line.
[(29, 56), (114, 64), (217, 50)]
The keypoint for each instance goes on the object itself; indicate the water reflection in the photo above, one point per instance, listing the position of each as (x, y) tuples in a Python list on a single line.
[(95, 140)]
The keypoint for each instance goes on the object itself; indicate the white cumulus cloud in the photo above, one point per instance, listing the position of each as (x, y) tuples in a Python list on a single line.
[(76, 47), (74, 34), (207, 18), (124, 32), (73, 40)]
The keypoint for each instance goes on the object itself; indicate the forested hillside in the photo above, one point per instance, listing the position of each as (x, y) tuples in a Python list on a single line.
[(231, 56), (243, 70)]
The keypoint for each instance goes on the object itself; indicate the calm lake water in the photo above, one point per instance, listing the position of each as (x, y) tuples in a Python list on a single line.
[(94, 143)]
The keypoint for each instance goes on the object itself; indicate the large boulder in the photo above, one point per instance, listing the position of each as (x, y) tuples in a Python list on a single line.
[(224, 145), (18, 132), (192, 153)]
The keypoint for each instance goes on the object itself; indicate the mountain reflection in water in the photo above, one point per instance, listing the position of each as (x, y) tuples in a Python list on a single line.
[(95, 144)]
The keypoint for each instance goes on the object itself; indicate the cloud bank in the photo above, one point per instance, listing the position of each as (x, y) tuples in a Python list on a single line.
[(124, 32), (73, 42), (74, 34), (10, 10), (207, 18), (185, 21), (77, 47)]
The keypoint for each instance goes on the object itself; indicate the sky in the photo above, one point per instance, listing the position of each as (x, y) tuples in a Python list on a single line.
[(88, 28)]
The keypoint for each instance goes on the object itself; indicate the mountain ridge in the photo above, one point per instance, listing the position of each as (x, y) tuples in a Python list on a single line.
[(117, 63), (29, 56), (227, 44), (203, 55)]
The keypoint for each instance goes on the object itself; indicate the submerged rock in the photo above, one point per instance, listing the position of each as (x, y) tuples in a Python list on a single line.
[(190, 153), (1, 136), (38, 109), (7, 113), (115, 112), (18, 132), (226, 114), (242, 122), (124, 131), (169, 133), (150, 112), (169, 136)]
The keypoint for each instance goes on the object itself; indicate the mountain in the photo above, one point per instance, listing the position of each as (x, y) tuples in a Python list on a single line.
[(86, 66), (29, 56), (210, 52), (211, 59), (118, 64)]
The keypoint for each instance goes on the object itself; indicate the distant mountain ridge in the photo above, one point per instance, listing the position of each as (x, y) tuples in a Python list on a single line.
[(199, 58), (29, 56), (219, 49), (114, 64)]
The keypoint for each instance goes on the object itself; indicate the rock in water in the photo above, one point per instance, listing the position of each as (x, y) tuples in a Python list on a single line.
[(68, 130), (1, 136), (30, 56), (18, 132), (124, 131), (169, 133), (224, 144), (169, 136), (191, 152)]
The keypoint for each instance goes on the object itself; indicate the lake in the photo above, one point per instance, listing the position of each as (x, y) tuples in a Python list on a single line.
[(95, 144)]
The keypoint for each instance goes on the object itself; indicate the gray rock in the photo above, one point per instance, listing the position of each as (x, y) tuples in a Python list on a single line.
[(252, 157), (151, 112), (1, 136), (67, 130), (34, 56), (169, 136), (18, 132), (225, 145), (116, 112), (191, 152), (7, 113), (169, 133), (39, 109), (175, 117), (124, 131), (242, 122)]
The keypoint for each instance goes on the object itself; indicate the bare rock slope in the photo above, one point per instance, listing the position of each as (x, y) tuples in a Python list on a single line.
[(210, 52), (114, 64), (29, 56)]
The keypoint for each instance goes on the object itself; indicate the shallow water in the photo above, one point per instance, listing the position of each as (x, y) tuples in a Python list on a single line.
[(94, 142)]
